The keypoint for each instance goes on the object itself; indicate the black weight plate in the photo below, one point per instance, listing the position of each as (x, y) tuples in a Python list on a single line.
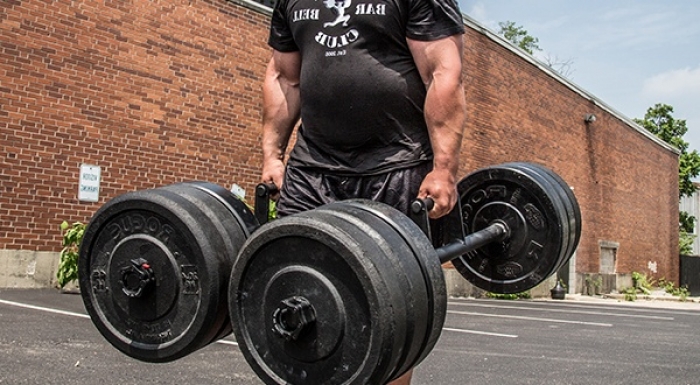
[(431, 269), (232, 220), (353, 337), (178, 313), (403, 268), (406, 288), (559, 199), (576, 220), (536, 241), (244, 216)]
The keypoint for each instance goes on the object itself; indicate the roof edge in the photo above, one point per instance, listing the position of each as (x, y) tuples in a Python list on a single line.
[(255, 6)]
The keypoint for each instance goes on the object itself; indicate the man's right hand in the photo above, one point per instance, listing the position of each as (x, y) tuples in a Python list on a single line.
[(273, 171)]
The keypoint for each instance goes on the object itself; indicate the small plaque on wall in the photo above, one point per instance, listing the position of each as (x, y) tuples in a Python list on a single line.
[(89, 183)]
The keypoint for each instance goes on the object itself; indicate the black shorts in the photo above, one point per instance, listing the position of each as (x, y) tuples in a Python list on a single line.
[(305, 189)]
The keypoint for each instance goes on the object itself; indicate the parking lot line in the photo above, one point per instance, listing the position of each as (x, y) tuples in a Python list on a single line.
[(567, 311), (525, 318), (480, 333), (45, 309)]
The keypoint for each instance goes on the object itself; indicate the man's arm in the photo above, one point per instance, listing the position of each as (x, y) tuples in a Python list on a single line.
[(281, 111), (440, 65)]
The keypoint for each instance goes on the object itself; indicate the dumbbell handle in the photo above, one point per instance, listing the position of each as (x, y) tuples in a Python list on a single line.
[(495, 232), (262, 201)]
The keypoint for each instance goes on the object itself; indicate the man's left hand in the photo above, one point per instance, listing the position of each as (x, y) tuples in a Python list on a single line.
[(440, 186)]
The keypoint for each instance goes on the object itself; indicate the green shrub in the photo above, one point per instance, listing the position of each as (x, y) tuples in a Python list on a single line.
[(523, 295), (68, 262)]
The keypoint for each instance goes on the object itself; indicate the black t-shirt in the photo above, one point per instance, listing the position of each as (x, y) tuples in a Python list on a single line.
[(361, 94)]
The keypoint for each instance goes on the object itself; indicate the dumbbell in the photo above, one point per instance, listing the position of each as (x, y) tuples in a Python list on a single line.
[(154, 268), (353, 292)]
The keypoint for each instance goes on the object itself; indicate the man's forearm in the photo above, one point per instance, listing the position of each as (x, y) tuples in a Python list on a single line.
[(280, 105), (445, 115), (440, 65)]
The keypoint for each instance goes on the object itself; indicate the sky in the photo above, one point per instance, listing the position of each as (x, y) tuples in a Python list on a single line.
[(629, 54)]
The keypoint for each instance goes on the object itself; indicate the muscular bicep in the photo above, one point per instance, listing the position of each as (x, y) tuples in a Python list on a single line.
[(281, 90), (284, 67)]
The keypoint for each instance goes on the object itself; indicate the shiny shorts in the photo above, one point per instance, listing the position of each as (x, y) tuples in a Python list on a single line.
[(305, 189)]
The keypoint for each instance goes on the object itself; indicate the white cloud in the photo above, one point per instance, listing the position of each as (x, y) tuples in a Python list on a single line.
[(676, 83)]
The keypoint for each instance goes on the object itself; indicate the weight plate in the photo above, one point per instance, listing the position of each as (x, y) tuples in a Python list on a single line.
[(232, 220), (407, 290), (326, 261), (536, 240), (575, 220), (397, 265), (152, 274), (558, 198), (245, 218), (429, 266)]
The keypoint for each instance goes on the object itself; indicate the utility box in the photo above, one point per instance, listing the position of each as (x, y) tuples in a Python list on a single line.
[(690, 273)]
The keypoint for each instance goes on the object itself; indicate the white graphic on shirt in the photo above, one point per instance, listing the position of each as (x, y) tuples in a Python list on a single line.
[(342, 11), (339, 7)]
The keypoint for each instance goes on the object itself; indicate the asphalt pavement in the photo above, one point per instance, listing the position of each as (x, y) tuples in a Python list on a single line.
[(46, 338)]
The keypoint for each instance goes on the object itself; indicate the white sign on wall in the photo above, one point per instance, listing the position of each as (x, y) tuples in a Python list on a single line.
[(89, 184)]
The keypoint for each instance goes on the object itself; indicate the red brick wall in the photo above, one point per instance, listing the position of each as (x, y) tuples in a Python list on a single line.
[(154, 92), (626, 184), (159, 91)]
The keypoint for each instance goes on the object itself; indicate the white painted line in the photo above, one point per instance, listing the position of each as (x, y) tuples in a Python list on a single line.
[(530, 318), (633, 307), (480, 333), (79, 315), (45, 309), (543, 309)]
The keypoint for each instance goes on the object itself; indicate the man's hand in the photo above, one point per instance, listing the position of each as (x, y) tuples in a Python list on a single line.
[(440, 186), (273, 171)]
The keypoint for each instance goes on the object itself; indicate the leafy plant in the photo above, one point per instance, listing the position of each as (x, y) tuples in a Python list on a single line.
[(630, 293), (659, 120), (68, 262), (685, 243), (594, 283), (523, 295), (671, 288), (519, 36), (642, 283)]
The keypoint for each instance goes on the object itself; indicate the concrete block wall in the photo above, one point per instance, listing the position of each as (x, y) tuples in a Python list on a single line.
[(156, 92), (27, 269)]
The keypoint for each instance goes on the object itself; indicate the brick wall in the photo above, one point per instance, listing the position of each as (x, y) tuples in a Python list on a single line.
[(156, 92)]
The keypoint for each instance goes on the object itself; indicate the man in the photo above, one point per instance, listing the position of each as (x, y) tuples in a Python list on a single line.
[(377, 86)]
